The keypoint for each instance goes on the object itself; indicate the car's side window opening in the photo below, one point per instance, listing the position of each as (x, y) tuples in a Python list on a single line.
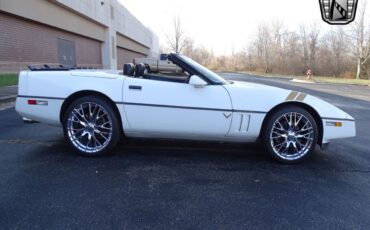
[(141, 71)]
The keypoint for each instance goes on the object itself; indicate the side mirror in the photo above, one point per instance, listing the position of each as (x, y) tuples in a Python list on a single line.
[(197, 82)]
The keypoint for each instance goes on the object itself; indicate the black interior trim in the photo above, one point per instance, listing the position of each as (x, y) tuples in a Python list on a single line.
[(164, 78)]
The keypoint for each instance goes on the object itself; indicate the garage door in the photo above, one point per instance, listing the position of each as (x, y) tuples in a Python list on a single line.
[(66, 52), (126, 56)]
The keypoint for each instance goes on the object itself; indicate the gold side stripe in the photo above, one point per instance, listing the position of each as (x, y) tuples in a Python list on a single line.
[(301, 97), (291, 96), (296, 96)]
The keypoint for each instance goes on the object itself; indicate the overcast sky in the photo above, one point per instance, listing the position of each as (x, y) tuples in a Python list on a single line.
[(222, 25)]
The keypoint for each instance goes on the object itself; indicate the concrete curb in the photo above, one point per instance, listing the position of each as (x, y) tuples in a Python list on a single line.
[(302, 81), (7, 99)]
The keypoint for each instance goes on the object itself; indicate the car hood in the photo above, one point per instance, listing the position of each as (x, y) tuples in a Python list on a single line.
[(262, 98)]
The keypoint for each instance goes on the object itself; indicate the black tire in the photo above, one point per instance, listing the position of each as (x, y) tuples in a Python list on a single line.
[(298, 141), (89, 121)]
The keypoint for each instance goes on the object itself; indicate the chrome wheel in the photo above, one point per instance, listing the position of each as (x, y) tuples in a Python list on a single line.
[(292, 136), (89, 127)]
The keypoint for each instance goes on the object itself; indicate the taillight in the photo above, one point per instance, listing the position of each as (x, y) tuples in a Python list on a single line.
[(32, 102), (37, 102)]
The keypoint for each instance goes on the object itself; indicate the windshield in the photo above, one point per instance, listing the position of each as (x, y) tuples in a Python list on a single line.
[(205, 72)]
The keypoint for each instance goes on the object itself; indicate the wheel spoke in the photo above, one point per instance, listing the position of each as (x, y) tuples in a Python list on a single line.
[(97, 141), (78, 137), (294, 145), (286, 119), (101, 132), (97, 115), (279, 134), (102, 127), (103, 136), (281, 127), (81, 115), (78, 131), (301, 145), (87, 145), (90, 114), (297, 122), (281, 144), (283, 148), (305, 131), (82, 110), (78, 122), (93, 112), (306, 136)]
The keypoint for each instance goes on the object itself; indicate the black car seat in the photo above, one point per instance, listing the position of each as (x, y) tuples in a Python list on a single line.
[(139, 70), (128, 69)]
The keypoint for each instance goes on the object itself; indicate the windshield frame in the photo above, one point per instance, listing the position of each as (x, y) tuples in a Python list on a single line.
[(194, 68)]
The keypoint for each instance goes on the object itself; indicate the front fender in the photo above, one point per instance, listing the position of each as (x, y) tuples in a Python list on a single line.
[(334, 123)]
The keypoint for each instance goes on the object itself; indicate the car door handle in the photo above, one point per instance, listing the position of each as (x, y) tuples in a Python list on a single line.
[(135, 87)]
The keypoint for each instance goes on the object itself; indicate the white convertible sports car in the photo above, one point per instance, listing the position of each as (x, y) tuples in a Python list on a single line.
[(96, 107)]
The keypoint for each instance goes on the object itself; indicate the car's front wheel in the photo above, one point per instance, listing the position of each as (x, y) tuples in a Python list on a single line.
[(290, 134), (91, 126)]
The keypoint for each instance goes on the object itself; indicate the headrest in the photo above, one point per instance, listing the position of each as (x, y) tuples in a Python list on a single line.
[(128, 69), (139, 70)]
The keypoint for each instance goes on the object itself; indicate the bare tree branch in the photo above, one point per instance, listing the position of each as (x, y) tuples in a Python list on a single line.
[(177, 40)]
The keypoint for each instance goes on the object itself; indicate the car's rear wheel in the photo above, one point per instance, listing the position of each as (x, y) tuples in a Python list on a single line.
[(91, 126), (290, 134)]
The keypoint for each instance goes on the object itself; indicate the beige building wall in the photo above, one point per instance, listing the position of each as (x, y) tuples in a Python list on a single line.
[(24, 42), (51, 14), (127, 43), (103, 22)]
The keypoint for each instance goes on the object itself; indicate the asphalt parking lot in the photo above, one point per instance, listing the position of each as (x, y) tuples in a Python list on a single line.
[(159, 184)]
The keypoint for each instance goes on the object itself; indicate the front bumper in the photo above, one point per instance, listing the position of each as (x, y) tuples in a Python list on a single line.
[(338, 128)]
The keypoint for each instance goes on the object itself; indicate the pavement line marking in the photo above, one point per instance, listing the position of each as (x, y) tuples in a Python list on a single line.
[(26, 142), (7, 106)]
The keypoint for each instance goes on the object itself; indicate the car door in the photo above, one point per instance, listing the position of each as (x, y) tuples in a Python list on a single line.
[(171, 109)]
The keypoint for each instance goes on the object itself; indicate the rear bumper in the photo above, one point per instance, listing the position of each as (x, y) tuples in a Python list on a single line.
[(47, 113)]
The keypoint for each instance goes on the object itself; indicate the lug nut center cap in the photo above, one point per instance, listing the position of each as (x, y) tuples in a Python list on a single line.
[(90, 127)]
